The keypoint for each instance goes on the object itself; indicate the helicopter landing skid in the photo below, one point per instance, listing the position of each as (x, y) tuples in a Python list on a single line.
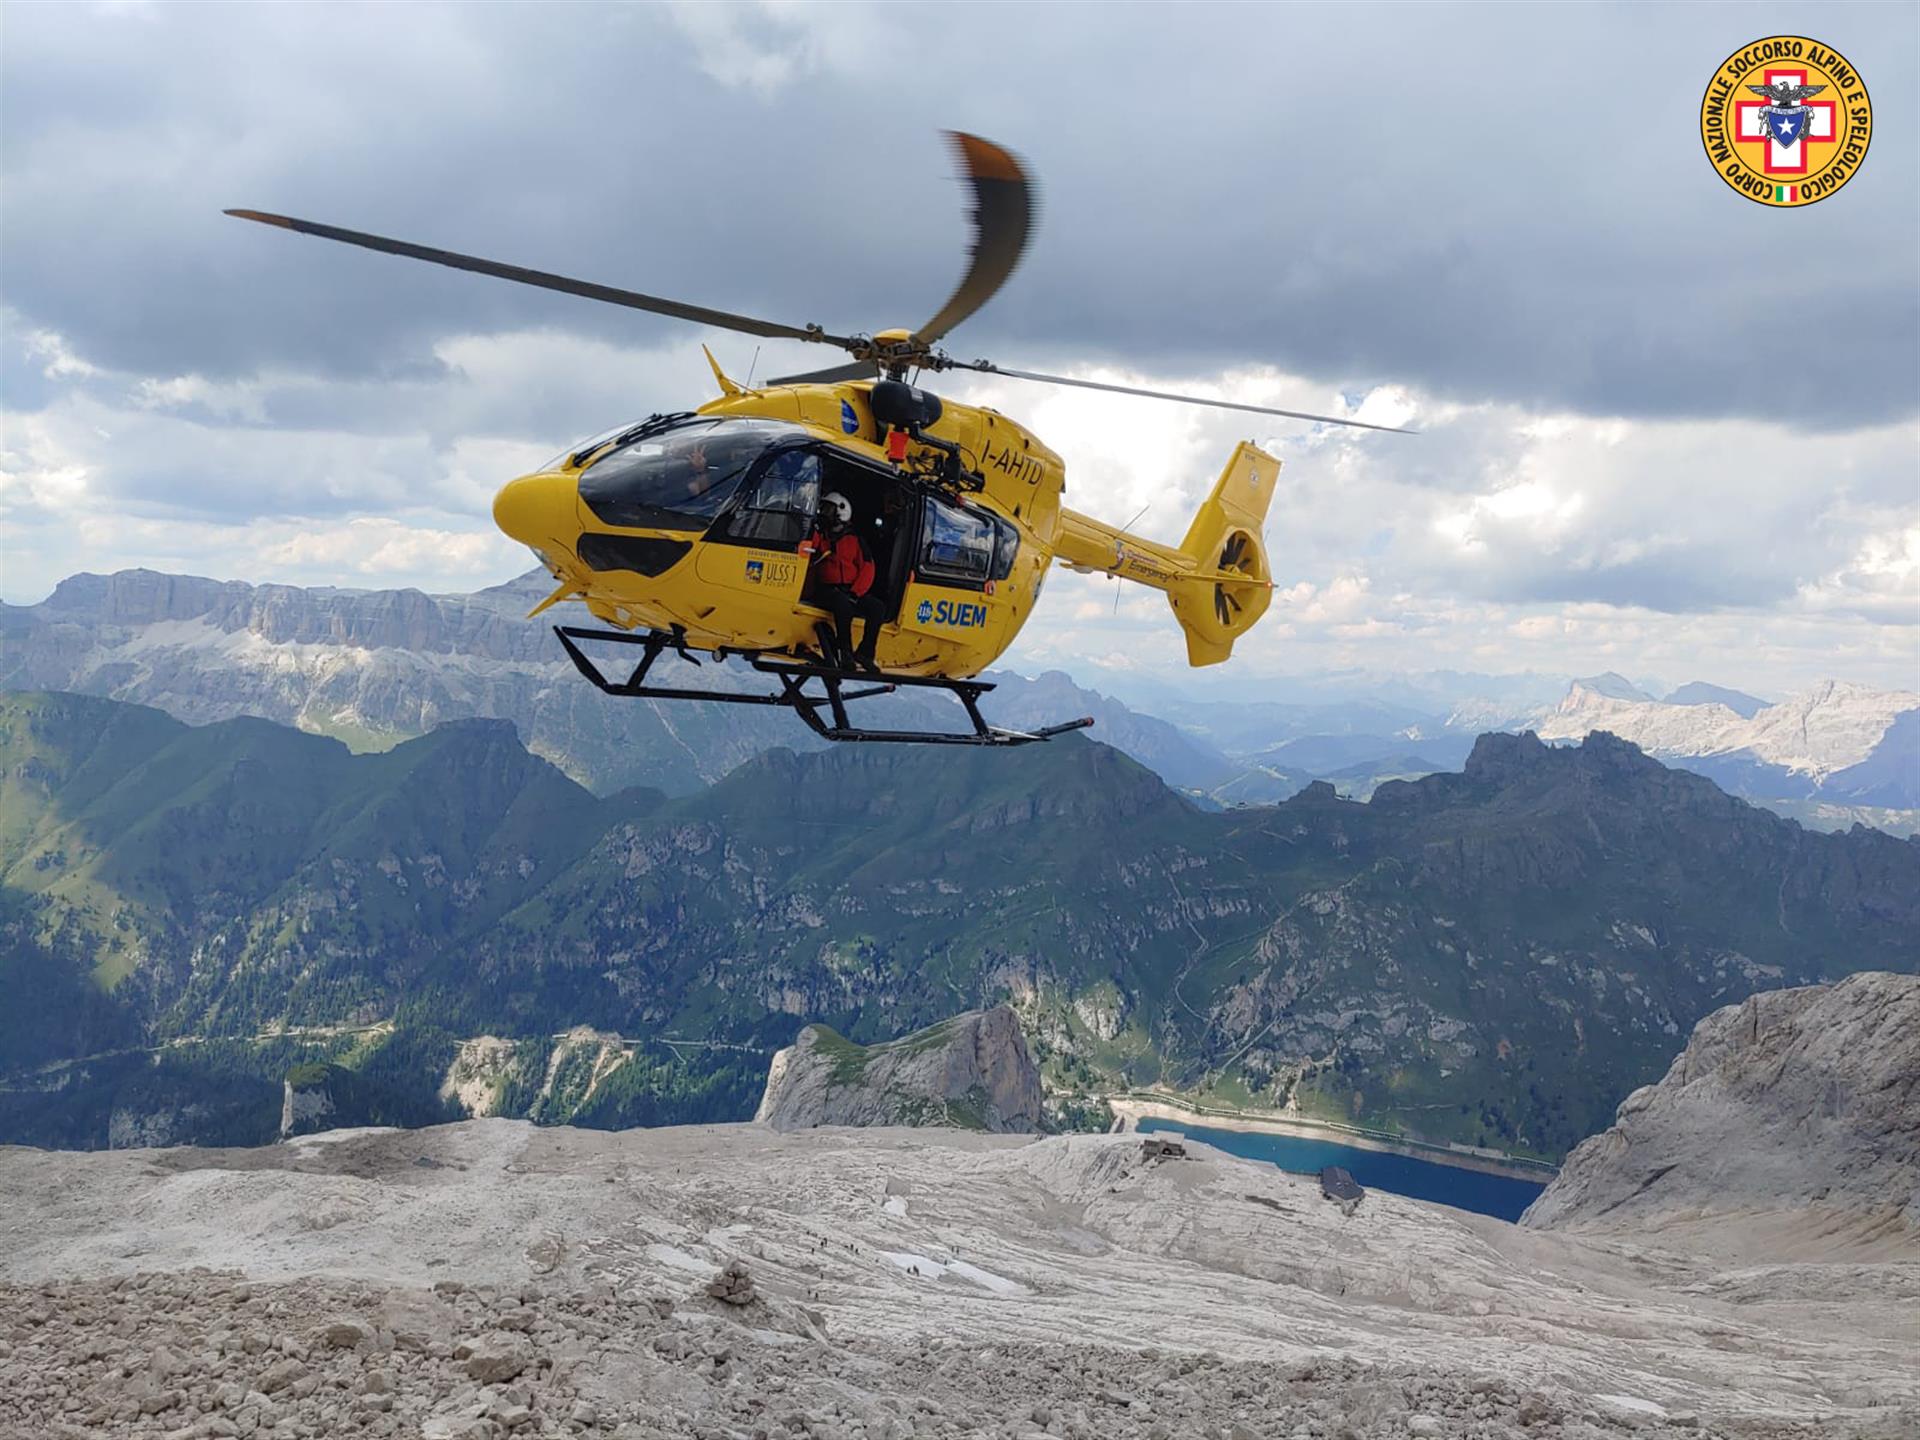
[(795, 676)]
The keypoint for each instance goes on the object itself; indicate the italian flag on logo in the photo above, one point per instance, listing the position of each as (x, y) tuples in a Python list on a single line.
[(1786, 194)]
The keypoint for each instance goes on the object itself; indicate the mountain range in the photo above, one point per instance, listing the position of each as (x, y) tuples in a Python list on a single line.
[(1493, 956), (377, 667), (1843, 749), (373, 668), (1821, 733)]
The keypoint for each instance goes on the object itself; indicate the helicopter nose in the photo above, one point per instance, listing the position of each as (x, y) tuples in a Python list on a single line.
[(538, 510)]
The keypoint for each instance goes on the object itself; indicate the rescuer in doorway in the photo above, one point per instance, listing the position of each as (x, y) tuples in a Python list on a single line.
[(843, 574)]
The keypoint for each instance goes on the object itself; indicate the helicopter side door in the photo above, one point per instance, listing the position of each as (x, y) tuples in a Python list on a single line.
[(752, 550), (955, 592)]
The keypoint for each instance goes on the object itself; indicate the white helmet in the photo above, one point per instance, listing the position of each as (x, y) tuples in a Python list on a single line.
[(835, 504)]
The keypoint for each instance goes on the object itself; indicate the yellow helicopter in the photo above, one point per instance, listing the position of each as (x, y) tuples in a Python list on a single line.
[(697, 531)]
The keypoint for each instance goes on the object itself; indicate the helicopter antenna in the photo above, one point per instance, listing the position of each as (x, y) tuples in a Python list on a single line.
[(753, 367), (1128, 526)]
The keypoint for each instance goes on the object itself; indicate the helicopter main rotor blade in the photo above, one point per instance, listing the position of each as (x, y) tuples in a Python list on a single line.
[(633, 300), (1003, 202), (986, 368), (857, 370)]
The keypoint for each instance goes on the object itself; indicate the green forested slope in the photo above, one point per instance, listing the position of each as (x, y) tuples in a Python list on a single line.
[(1495, 956)]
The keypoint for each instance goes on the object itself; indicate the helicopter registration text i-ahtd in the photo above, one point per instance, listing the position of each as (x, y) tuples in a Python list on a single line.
[(694, 532)]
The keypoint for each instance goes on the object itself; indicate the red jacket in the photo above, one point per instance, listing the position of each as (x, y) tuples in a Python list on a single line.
[(843, 561)]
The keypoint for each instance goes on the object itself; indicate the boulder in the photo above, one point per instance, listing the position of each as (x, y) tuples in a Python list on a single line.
[(343, 1334), (495, 1362), (733, 1284), (279, 1376)]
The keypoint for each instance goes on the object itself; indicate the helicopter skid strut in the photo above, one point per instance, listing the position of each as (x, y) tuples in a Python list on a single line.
[(795, 676)]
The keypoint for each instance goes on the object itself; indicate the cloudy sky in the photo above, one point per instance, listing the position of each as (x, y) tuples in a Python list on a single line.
[(1664, 430)]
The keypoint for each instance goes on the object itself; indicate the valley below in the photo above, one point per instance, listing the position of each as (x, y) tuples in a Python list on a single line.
[(223, 933)]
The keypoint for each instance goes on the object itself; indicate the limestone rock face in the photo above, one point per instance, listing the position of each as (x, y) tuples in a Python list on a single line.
[(304, 1107), (1801, 1102), (973, 1072), (132, 1127)]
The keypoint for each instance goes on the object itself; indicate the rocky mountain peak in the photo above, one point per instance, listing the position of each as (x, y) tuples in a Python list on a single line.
[(139, 597), (464, 778), (1607, 686), (1817, 732), (1503, 760), (1604, 751), (1497, 756), (479, 730), (1318, 792), (1699, 692)]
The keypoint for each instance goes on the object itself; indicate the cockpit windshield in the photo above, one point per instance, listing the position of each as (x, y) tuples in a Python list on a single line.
[(565, 458), (677, 479)]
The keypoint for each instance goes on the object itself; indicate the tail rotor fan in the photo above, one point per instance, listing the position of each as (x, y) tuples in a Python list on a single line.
[(1226, 604)]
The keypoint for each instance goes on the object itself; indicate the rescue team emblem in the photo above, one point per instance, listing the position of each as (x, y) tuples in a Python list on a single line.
[(1786, 120), (964, 616)]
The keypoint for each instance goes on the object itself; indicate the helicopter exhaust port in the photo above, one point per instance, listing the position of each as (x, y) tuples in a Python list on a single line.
[(904, 412)]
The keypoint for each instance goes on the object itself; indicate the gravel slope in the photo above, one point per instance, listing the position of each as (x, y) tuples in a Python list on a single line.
[(491, 1278)]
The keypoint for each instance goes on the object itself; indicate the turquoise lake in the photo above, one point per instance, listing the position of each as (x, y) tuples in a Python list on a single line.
[(1377, 1170)]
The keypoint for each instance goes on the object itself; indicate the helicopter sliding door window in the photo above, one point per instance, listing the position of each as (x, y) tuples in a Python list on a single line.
[(958, 546), (1006, 546), (778, 510)]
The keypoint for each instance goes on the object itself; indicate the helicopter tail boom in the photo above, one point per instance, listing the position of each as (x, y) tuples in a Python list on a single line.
[(1218, 580)]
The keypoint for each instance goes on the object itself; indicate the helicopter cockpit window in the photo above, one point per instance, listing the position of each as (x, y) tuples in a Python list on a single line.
[(779, 508), (587, 447), (959, 545), (679, 479)]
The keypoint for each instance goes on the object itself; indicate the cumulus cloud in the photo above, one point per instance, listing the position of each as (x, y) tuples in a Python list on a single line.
[(764, 46), (1211, 202), (1549, 541), (381, 548), (54, 358), (1879, 582)]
